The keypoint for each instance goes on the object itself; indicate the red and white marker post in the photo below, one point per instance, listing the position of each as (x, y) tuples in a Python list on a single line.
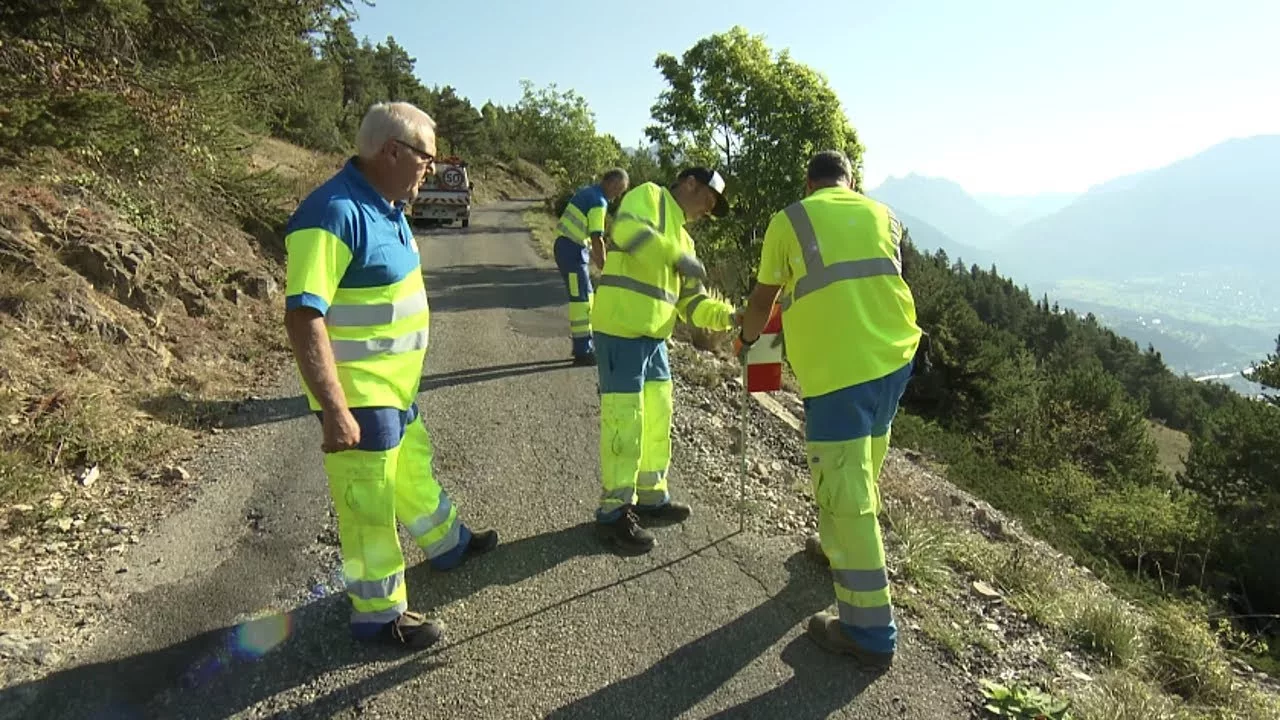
[(764, 357)]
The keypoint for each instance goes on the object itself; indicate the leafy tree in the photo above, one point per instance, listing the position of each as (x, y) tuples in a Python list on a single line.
[(1268, 372), (557, 129), (458, 123), (756, 115)]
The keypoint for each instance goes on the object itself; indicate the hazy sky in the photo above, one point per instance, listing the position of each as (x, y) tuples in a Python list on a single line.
[(1000, 96)]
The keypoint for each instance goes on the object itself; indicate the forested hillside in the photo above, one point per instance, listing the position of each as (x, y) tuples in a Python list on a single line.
[(149, 155)]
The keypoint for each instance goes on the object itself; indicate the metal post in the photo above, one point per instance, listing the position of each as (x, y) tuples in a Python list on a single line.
[(742, 450)]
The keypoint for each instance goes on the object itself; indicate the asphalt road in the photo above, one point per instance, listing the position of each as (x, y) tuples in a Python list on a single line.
[(231, 608)]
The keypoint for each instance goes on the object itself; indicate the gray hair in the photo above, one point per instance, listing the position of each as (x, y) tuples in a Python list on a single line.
[(392, 121), (830, 166), (615, 175)]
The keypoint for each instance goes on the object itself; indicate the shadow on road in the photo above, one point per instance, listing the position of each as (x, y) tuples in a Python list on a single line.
[(482, 287), (221, 672), (690, 674), (184, 412), (178, 410), (490, 372)]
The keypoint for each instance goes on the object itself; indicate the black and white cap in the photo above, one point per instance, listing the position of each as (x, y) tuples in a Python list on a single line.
[(712, 179)]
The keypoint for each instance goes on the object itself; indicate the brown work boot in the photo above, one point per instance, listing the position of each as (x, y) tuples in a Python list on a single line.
[(825, 630), (673, 511), (625, 533), (813, 548), (410, 631)]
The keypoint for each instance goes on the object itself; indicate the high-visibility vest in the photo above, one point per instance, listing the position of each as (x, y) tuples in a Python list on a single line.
[(379, 336), (584, 215), (847, 314), (640, 292), (352, 256)]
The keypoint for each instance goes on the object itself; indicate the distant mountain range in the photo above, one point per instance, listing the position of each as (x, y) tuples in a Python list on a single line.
[(947, 207), (1196, 241), (1217, 208)]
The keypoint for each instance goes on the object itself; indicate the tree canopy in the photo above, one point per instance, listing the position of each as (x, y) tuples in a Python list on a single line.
[(756, 115)]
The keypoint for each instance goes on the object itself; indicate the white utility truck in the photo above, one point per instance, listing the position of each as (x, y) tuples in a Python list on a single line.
[(445, 196)]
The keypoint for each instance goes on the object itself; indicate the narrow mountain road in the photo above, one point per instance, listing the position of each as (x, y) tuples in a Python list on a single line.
[(232, 608)]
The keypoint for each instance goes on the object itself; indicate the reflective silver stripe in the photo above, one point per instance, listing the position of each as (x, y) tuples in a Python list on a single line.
[(687, 291), (862, 580), (847, 270), (648, 231), (622, 496), (651, 497), (626, 283), (688, 312), (381, 314), (806, 235), (427, 523), (896, 233), (349, 350), (573, 219), (444, 544), (634, 217), (818, 275), (865, 617), (649, 478), (580, 333), (375, 589), (636, 241), (380, 616)]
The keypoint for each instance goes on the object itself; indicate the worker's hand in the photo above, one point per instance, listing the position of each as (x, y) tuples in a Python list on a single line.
[(341, 432), (690, 266), (597, 255)]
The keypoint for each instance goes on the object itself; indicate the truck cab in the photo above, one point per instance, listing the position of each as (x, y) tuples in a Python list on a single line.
[(445, 195)]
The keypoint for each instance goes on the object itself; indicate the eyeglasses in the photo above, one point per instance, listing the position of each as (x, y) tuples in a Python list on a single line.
[(422, 155)]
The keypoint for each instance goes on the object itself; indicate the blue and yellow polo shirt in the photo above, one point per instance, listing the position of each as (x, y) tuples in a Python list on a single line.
[(352, 257)]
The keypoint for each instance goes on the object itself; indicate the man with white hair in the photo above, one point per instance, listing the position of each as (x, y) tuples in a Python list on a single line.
[(357, 319)]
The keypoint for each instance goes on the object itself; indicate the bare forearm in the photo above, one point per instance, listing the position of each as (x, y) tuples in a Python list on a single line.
[(310, 341), (758, 308)]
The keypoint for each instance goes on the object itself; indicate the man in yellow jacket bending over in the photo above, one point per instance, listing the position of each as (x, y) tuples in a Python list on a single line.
[(650, 275), (850, 325)]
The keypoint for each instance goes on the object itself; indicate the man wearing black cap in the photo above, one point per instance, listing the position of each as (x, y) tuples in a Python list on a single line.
[(651, 275)]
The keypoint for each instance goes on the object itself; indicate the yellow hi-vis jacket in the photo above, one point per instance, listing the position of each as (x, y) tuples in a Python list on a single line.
[(640, 291), (847, 314)]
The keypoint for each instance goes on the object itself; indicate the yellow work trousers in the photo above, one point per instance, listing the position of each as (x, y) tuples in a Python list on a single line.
[(635, 423), (374, 488), (847, 439)]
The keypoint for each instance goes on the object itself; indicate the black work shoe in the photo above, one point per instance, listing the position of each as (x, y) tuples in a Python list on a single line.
[(482, 542), (410, 631), (588, 360), (625, 533), (672, 512)]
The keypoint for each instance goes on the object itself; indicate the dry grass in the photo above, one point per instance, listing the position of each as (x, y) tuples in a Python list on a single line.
[(113, 296), (1171, 447), (543, 228), (1155, 661), (518, 180)]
